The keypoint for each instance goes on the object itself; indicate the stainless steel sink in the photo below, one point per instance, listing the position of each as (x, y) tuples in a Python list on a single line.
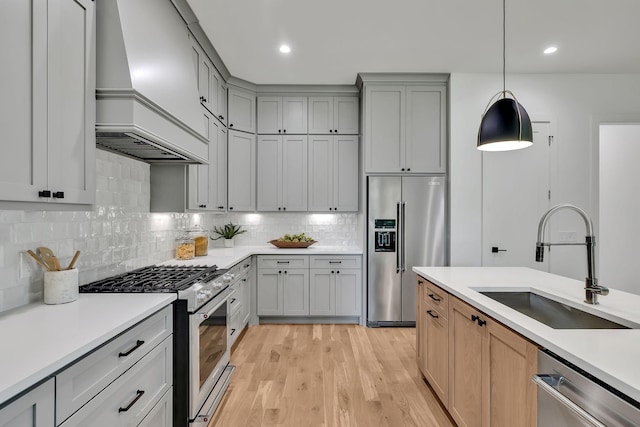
[(552, 313)]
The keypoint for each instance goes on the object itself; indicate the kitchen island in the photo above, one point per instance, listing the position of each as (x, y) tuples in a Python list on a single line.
[(610, 355)]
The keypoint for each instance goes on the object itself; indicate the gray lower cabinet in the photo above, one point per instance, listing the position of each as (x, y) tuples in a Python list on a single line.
[(34, 409), (283, 292), (288, 287), (128, 400), (160, 415), (336, 288)]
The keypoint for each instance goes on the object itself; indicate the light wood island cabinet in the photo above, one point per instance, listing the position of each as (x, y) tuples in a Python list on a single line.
[(480, 369)]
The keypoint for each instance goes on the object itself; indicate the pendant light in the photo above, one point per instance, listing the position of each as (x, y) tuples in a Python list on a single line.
[(505, 125)]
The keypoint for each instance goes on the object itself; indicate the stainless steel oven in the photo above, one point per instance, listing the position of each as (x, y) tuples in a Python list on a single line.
[(570, 397), (209, 356)]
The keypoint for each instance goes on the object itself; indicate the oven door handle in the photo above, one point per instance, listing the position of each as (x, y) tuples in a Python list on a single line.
[(209, 308), (543, 385)]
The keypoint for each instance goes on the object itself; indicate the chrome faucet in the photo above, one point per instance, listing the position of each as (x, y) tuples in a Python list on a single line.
[(592, 289)]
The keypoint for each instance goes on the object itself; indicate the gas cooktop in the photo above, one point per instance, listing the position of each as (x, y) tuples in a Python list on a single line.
[(155, 278)]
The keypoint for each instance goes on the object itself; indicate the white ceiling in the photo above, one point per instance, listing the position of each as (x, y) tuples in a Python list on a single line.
[(333, 40)]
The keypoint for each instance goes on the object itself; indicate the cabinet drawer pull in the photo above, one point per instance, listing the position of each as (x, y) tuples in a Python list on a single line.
[(283, 262), (139, 394), (132, 349), (233, 331), (430, 313), (433, 297), (58, 195), (232, 300), (44, 193), (478, 320), (420, 282), (335, 262)]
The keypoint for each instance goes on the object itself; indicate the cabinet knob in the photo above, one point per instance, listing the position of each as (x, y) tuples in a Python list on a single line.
[(284, 209), (220, 207), (279, 271), (338, 272), (330, 131), (402, 169), (279, 209), (44, 193), (284, 131), (332, 271), (330, 209), (408, 169), (221, 117), (230, 125), (335, 131), (279, 130), (58, 194), (230, 208), (335, 209)]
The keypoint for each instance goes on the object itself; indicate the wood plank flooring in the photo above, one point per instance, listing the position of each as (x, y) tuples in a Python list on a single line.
[(328, 375)]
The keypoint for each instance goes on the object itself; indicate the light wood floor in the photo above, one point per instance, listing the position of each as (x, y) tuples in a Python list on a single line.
[(327, 375)]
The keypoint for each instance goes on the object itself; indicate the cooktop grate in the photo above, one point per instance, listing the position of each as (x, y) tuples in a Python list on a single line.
[(154, 278)]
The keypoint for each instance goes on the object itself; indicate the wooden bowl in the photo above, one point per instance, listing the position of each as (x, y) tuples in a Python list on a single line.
[(281, 244)]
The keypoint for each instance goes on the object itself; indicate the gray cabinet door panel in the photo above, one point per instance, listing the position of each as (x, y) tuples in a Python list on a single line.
[(296, 292)]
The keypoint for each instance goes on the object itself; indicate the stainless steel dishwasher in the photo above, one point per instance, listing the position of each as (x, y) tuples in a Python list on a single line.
[(568, 396)]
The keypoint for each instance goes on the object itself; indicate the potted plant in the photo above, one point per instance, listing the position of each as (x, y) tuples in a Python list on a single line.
[(227, 232)]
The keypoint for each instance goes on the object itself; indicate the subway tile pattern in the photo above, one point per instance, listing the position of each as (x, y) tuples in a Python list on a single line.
[(119, 234)]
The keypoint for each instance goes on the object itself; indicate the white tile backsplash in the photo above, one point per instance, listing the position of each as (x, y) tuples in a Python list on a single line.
[(119, 234)]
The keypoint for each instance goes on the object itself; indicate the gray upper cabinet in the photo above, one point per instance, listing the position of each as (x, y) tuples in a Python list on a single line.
[(333, 115), (211, 87), (241, 110), (282, 173), (282, 115), (47, 108), (208, 183), (405, 128), (241, 172), (333, 173)]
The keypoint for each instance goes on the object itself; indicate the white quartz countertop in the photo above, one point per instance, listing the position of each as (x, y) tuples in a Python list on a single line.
[(228, 257), (611, 355), (38, 340)]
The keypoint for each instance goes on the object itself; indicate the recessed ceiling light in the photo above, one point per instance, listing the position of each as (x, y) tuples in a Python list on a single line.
[(285, 48), (550, 50)]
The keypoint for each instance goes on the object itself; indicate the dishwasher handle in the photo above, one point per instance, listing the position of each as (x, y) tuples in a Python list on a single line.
[(543, 385)]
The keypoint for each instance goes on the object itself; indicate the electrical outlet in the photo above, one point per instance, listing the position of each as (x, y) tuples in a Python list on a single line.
[(568, 236), (27, 266)]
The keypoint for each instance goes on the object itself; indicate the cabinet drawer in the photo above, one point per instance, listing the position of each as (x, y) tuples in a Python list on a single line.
[(235, 327), (329, 261), (437, 298), (240, 268), (266, 261), (132, 396), (235, 299), (79, 383), (161, 415)]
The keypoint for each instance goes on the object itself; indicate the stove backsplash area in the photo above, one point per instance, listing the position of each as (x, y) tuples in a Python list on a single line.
[(120, 234)]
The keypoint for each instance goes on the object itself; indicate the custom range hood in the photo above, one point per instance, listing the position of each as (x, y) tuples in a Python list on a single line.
[(147, 101)]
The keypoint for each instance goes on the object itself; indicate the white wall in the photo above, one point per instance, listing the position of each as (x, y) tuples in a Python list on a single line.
[(573, 103), (620, 207)]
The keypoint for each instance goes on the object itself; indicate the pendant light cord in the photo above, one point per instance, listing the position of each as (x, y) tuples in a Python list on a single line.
[(504, 46)]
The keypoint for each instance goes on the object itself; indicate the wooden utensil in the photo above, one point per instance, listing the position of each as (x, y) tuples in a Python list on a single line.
[(47, 257), (38, 260), (73, 260), (56, 263)]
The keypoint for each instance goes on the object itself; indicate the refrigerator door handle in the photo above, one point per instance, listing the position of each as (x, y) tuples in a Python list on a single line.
[(404, 244), (399, 238)]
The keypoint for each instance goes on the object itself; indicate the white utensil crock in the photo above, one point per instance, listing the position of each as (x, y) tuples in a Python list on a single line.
[(60, 286)]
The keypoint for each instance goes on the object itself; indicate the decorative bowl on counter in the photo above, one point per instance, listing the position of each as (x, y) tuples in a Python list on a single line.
[(283, 244)]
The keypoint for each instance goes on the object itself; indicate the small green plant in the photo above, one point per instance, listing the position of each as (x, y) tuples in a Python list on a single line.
[(228, 231)]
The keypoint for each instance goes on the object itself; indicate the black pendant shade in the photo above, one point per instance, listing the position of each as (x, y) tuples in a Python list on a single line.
[(505, 126)]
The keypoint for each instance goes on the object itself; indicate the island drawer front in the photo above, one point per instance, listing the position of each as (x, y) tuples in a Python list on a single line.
[(286, 261), (437, 298), (332, 261), (132, 396), (79, 383)]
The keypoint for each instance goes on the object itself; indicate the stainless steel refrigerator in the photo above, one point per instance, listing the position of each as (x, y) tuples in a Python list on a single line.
[(406, 228)]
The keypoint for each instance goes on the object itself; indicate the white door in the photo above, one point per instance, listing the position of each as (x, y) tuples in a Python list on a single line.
[(294, 115), (345, 115), (345, 170), (321, 173), (515, 194), (241, 110), (269, 115), (320, 115)]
